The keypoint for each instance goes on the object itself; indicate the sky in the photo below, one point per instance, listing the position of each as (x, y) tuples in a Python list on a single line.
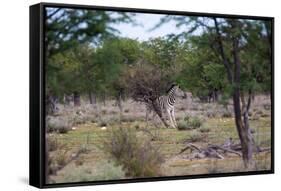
[(141, 31), (146, 22)]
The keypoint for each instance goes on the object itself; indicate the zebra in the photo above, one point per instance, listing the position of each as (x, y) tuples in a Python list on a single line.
[(166, 104)]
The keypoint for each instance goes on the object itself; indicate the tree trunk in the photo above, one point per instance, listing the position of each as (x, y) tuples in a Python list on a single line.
[(242, 123), (76, 99), (233, 75), (157, 110), (119, 101), (242, 126), (91, 97)]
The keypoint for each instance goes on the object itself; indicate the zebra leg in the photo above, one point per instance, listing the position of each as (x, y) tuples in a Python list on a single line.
[(147, 116), (170, 117), (173, 117)]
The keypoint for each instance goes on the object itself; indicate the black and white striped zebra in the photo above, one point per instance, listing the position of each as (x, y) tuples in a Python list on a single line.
[(166, 104)]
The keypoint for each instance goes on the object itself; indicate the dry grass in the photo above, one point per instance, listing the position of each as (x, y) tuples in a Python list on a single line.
[(88, 133)]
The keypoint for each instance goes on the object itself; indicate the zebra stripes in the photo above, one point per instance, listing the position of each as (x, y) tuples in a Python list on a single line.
[(166, 104)]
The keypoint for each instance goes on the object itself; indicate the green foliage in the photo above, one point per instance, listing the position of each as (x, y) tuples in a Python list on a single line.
[(85, 55), (189, 123), (67, 28), (163, 51), (183, 125)]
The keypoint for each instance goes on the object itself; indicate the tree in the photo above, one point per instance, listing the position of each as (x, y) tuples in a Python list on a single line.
[(146, 84), (199, 59), (112, 57), (67, 30), (234, 43)]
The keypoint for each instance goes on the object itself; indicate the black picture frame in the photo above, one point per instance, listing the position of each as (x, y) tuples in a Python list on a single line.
[(37, 95)]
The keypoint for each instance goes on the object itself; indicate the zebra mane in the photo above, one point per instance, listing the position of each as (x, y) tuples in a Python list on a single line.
[(172, 86)]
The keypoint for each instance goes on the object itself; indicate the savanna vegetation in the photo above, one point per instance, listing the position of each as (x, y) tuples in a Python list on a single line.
[(98, 85)]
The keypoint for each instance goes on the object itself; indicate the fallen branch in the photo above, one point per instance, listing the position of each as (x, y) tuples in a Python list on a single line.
[(225, 149), (264, 149), (216, 151), (191, 147)]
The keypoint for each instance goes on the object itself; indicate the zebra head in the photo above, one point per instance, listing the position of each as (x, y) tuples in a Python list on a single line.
[(177, 91), (180, 93)]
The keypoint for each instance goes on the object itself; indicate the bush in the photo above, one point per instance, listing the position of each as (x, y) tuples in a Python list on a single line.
[(189, 123), (267, 106), (254, 117), (265, 115), (211, 114), (139, 158), (126, 111), (52, 144), (83, 173), (58, 124), (195, 122), (195, 137), (204, 129), (61, 158), (127, 119), (183, 125), (226, 114), (102, 123)]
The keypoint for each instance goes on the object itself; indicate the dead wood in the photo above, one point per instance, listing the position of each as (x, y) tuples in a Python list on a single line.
[(217, 147), (216, 151), (191, 147)]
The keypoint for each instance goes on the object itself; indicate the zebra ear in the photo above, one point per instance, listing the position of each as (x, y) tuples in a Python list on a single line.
[(172, 85)]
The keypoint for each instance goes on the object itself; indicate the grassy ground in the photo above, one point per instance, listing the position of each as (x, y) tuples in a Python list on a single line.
[(81, 157)]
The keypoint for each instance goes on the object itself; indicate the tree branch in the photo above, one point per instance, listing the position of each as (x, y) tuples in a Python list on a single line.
[(222, 52)]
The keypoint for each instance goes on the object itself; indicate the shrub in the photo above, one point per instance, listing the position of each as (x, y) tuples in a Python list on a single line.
[(52, 144), (58, 124), (226, 114), (190, 123), (128, 119), (126, 111), (63, 129), (83, 149), (136, 125), (182, 108), (195, 122), (138, 157), (183, 125), (267, 106), (79, 119), (186, 118), (79, 162), (194, 136), (265, 115), (254, 117), (211, 114), (204, 129), (100, 171), (61, 158), (102, 123)]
